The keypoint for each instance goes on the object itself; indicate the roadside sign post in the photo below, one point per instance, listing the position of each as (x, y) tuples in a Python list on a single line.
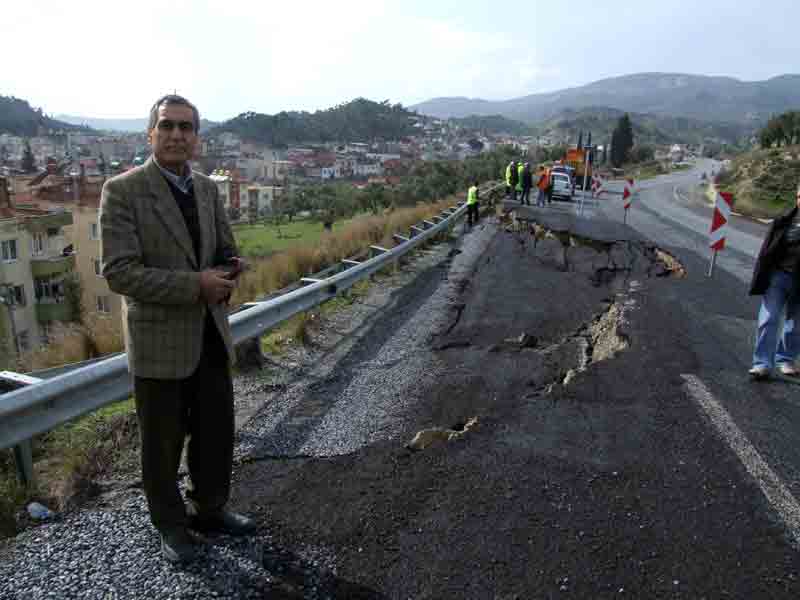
[(719, 225), (627, 198), (585, 175)]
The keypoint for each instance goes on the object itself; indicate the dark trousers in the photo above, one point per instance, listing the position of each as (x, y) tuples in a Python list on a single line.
[(525, 198), (199, 407), (511, 190), (472, 214)]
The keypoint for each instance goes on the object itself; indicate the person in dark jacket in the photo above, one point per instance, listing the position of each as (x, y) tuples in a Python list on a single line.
[(776, 277), (527, 184)]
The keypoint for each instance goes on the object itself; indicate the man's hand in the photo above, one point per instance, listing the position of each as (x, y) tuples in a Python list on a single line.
[(239, 265), (214, 287)]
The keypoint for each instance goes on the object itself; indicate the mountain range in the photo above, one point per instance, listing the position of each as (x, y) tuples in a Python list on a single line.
[(698, 97), (647, 128), (123, 125)]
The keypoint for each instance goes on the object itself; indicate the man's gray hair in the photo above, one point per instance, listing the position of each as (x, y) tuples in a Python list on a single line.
[(172, 99)]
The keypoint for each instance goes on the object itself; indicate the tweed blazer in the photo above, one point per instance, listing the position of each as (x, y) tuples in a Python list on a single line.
[(148, 258)]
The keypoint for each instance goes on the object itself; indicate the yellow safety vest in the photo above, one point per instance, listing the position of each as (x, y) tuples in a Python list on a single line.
[(472, 195), (508, 175)]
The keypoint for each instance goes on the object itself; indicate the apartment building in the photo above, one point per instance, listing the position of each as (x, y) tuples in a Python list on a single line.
[(35, 262), (85, 237)]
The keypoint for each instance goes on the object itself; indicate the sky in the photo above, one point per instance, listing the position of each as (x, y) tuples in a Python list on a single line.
[(113, 59)]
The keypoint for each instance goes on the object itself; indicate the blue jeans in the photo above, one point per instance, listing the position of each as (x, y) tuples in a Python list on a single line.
[(540, 197), (780, 294)]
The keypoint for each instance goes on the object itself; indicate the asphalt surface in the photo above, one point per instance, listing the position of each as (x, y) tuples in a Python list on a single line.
[(619, 450)]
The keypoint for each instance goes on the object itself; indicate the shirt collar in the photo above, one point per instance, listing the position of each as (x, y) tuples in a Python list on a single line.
[(182, 182)]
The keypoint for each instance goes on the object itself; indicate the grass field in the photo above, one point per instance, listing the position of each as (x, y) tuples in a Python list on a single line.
[(264, 239)]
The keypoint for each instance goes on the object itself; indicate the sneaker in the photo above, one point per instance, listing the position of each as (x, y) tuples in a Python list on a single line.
[(759, 373), (788, 370)]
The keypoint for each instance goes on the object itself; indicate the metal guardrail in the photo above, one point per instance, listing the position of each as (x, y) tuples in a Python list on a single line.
[(44, 404)]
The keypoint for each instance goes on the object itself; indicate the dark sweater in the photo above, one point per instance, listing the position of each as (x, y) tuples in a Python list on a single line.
[(188, 207)]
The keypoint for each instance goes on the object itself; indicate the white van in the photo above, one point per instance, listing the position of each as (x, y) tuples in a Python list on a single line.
[(562, 186)]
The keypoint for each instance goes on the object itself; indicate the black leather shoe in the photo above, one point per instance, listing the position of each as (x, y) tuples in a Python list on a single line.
[(223, 521), (177, 546)]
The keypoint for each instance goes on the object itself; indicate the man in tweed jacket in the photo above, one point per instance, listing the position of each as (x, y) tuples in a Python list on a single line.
[(164, 230)]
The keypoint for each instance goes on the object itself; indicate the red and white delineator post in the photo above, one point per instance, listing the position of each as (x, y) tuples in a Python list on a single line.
[(597, 186), (627, 197), (719, 225)]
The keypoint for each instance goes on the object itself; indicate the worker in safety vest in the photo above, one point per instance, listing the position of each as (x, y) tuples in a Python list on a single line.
[(472, 205), (520, 169), (511, 180)]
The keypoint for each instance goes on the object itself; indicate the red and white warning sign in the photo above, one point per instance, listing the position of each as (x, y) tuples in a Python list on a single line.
[(719, 221), (597, 186), (627, 194)]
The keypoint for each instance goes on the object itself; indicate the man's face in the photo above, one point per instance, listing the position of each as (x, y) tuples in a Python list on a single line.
[(174, 138)]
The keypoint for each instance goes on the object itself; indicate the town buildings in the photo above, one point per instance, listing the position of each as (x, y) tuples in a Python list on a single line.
[(36, 263)]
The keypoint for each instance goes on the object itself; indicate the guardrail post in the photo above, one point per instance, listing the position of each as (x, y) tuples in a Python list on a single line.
[(23, 452), (23, 460)]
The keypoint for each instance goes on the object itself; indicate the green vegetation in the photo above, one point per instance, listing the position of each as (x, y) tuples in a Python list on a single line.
[(18, 118), (649, 170), (782, 130), (265, 238), (763, 182), (360, 120), (493, 124), (621, 141)]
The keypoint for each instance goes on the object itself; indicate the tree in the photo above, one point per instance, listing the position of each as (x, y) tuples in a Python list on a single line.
[(642, 153), (781, 130), (28, 159), (621, 141)]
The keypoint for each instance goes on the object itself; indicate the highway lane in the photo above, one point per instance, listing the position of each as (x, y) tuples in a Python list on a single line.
[(670, 218), (762, 417)]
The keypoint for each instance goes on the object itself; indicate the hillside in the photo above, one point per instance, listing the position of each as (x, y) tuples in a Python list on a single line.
[(493, 124), (359, 120), (17, 117), (121, 125), (763, 182), (672, 94), (647, 129)]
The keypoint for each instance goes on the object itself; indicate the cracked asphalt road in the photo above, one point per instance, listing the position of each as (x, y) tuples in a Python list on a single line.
[(619, 450)]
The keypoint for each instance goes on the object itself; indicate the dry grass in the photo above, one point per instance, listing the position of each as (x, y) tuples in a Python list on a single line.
[(74, 342), (280, 270)]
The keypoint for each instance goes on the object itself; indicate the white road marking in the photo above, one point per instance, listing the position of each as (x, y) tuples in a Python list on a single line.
[(771, 485)]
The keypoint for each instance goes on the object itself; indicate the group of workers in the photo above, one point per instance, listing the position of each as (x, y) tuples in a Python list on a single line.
[(519, 178)]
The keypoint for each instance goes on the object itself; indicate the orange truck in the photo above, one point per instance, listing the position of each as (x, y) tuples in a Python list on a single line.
[(576, 158)]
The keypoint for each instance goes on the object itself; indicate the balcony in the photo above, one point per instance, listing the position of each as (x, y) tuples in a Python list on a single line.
[(47, 311), (48, 267)]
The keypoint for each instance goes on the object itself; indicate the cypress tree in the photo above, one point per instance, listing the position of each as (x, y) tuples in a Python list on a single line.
[(28, 159)]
